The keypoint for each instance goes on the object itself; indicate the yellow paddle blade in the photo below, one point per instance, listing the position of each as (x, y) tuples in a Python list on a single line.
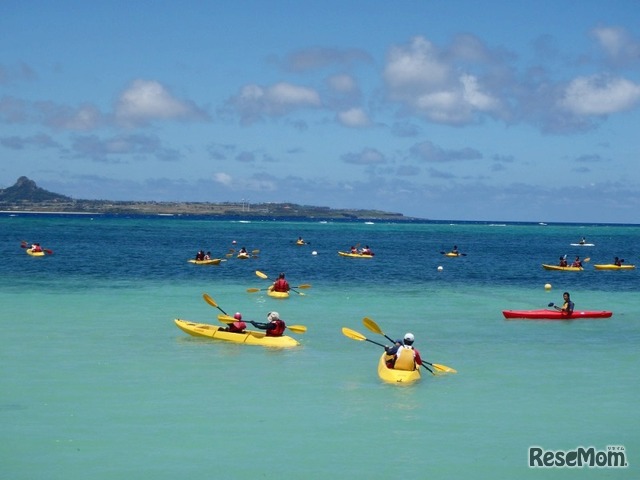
[(229, 255), (261, 275), (253, 290), (226, 319), (588, 259), (371, 325), (209, 300), (352, 334), (297, 328), (305, 285), (255, 252), (444, 368)]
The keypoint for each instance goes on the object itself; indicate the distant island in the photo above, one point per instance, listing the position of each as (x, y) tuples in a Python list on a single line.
[(26, 196)]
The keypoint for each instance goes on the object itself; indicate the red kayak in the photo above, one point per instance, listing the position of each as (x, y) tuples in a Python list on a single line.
[(546, 314)]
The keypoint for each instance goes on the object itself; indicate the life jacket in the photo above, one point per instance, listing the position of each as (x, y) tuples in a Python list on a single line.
[(405, 358), (237, 327), (278, 330), (281, 285)]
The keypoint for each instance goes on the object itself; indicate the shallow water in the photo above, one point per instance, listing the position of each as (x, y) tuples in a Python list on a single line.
[(97, 382)]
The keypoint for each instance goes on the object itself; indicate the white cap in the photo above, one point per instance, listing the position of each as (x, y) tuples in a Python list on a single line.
[(271, 316), (409, 337)]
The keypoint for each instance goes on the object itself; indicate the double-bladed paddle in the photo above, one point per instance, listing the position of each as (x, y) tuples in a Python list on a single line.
[(264, 276), (227, 319), (373, 326), (25, 245), (293, 328), (253, 290), (353, 335)]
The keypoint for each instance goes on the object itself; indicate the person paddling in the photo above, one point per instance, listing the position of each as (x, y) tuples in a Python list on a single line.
[(567, 306), (274, 327)]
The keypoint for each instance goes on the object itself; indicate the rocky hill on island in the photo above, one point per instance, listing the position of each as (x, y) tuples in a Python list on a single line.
[(26, 196)]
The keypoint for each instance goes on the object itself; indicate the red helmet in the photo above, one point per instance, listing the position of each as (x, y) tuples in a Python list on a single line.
[(238, 316)]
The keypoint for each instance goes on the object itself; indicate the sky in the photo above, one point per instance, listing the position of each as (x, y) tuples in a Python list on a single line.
[(443, 110)]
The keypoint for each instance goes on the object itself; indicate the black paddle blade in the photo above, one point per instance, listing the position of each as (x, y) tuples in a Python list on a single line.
[(550, 305)]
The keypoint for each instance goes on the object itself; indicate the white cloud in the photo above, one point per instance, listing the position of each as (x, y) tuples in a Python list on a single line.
[(618, 44), (600, 95), (255, 102), (147, 100), (429, 83), (354, 117), (223, 178)]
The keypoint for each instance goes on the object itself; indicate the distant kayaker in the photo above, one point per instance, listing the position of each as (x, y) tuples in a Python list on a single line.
[(274, 327), (582, 241), (407, 357), (36, 247), (577, 262), (238, 326), (354, 249), (200, 255), (455, 250), (207, 256), (563, 261), (300, 241), (281, 285), (567, 306), (366, 250), (617, 262)]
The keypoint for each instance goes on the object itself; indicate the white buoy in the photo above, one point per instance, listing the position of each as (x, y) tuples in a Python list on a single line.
[(547, 286), (314, 253), (440, 268), (233, 243)]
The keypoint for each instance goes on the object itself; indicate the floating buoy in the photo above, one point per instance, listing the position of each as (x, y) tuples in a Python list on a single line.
[(547, 286), (440, 268), (233, 243), (314, 253)]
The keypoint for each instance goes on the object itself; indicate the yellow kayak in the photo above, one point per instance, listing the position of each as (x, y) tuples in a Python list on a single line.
[(354, 255), (35, 254), (274, 294), (249, 337), (557, 267), (614, 267), (211, 261), (391, 375)]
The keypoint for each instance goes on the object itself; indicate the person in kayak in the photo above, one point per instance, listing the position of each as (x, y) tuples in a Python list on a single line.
[(366, 250), (274, 327), (200, 255), (407, 357), (455, 250), (567, 306), (391, 351), (582, 241), (238, 326), (617, 262), (281, 284), (563, 261), (577, 262)]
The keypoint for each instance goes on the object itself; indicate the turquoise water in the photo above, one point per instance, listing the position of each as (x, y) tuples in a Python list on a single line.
[(97, 382)]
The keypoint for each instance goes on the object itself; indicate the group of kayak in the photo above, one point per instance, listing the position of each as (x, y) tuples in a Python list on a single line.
[(399, 363)]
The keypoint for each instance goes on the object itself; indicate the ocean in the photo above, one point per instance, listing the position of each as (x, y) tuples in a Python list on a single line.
[(98, 382)]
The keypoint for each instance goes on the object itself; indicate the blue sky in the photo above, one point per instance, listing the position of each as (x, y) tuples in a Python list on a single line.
[(460, 110)]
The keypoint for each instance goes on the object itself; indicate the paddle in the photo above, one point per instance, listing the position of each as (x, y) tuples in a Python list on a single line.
[(264, 276), (213, 303), (26, 246), (253, 290), (293, 328), (352, 334), (373, 326)]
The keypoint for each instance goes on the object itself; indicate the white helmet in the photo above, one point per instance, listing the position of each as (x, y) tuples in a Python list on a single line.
[(272, 316), (409, 338)]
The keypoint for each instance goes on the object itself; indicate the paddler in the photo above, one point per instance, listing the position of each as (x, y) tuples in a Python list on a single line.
[(274, 327)]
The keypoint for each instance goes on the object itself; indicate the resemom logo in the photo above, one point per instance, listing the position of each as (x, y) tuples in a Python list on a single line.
[(614, 456)]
